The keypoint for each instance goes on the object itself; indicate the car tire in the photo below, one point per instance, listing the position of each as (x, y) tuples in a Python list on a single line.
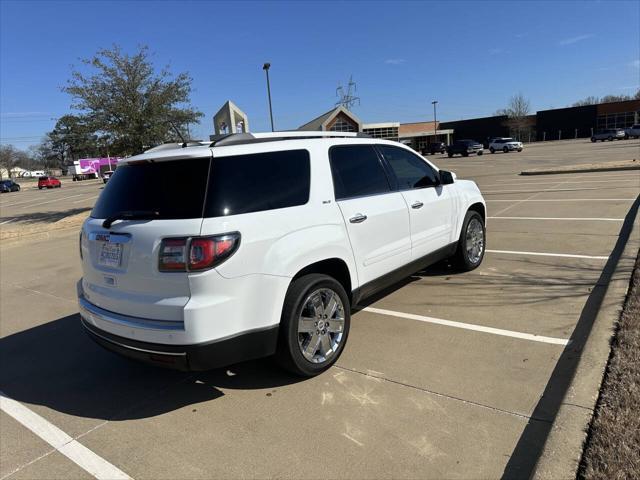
[(39, 188), (492, 150), (593, 140), (472, 243), (480, 152), (610, 139), (505, 150), (450, 155), (465, 154), (519, 150), (294, 333)]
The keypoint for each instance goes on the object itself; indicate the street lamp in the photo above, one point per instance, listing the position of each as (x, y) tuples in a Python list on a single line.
[(435, 122), (266, 67)]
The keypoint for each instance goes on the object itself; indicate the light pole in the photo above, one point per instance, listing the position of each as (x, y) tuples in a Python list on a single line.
[(435, 122), (266, 67)]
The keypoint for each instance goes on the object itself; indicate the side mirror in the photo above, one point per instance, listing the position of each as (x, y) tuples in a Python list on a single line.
[(447, 178)]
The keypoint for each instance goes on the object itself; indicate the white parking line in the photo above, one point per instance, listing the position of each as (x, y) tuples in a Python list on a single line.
[(544, 254), (500, 192), (85, 199), (6, 221), (63, 443), (564, 200), (561, 218), (53, 201), (634, 180), (470, 326)]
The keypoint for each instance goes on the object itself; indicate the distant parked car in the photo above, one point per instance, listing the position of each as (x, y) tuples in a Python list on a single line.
[(505, 144), (433, 148), (48, 182), (488, 140), (608, 134), (7, 186), (464, 148), (633, 131), (107, 175)]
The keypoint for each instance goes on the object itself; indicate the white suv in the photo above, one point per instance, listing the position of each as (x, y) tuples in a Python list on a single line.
[(505, 144), (260, 244)]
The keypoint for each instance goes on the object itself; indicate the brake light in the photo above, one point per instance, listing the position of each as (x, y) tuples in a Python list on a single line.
[(196, 253)]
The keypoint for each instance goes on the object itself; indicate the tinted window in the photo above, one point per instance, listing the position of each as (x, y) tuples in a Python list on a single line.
[(175, 189), (251, 183), (410, 170), (357, 171)]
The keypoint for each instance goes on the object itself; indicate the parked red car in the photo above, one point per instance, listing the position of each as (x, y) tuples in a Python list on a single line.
[(48, 182)]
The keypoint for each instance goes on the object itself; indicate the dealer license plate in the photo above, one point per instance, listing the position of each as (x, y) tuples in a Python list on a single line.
[(110, 255)]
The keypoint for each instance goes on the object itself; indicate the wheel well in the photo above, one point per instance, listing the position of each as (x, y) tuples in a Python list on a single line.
[(478, 207), (334, 267)]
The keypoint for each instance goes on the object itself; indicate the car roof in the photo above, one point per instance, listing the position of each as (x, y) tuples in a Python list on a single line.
[(243, 143)]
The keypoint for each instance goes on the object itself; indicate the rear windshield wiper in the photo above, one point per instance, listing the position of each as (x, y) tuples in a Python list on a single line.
[(130, 215)]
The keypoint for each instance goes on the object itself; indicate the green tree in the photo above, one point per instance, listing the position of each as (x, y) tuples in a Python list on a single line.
[(71, 138), (123, 97)]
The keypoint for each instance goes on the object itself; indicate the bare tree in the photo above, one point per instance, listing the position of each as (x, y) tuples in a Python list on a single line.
[(517, 113)]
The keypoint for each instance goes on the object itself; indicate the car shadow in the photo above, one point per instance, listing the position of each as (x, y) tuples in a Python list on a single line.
[(58, 366), (44, 217)]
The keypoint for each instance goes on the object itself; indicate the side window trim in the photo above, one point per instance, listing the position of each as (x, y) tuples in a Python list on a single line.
[(382, 163)]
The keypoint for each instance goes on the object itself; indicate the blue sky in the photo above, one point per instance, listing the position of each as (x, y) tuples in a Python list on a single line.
[(470, 56)]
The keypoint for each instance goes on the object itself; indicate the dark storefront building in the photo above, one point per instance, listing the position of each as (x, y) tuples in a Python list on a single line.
[(582, 122), (478, 128)]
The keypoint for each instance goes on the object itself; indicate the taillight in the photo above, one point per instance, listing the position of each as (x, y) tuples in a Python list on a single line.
[(196, 253)]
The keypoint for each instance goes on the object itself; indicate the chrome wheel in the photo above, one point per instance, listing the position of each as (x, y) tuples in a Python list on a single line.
[(474, 242), (321, 325)]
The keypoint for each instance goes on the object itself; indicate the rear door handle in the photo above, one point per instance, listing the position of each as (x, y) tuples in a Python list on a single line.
[(417, 205), (358, 218)]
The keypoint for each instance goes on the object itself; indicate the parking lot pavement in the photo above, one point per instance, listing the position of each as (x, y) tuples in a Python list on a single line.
[(31, 204), (443, 375)]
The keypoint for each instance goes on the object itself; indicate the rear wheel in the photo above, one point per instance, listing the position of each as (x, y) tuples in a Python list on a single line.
[(314, 325), (505, 150), (492, 150), (480, 152), (465, 154), (450, 155), (610, 139), (471, 244), (39, 188), (594, 140)]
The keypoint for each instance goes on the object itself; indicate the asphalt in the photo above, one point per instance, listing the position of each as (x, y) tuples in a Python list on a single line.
[(413, 396)]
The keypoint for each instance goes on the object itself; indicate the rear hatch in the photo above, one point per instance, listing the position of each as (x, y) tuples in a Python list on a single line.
[(144, 202)]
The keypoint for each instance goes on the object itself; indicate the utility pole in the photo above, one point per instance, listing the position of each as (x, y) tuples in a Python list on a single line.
[(435, 121), (266, 67)]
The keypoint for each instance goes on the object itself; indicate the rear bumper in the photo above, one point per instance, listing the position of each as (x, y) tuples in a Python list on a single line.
[(243, 346)]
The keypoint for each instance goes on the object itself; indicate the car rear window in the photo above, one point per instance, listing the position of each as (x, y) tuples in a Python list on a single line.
[(257, 182), (176, 189), (43, 178)]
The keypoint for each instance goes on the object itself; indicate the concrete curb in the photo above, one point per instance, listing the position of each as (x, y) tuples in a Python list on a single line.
[(563, 447), (555, 171)]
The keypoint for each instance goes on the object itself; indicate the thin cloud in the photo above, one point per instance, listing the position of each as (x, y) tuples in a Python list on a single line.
[(572, 40), (394, 61), (634, 63)]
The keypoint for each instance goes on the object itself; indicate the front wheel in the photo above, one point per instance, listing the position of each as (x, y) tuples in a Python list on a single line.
[(471, 244), (480, 152), (492, 150), (593, 140), (505, 149), (450, 155), (314, 325)]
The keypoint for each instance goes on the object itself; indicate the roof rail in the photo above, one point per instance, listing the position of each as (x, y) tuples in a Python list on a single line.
[(244, 138)]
